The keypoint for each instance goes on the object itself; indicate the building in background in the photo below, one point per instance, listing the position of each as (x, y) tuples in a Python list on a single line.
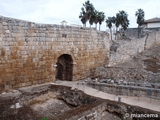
[(64, 23), (151, 23)]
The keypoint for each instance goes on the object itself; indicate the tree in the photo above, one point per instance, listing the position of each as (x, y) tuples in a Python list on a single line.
[(87, 12), (123, 19), (101, 18), (140, 19), (92, 18), (109, 22), (125, 24), (88, 6), (83, 17), (96, 15), (117, 22), (91, 21)]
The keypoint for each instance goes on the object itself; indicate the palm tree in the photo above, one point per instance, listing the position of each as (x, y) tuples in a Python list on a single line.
[(83, 17), (123, 19), (87, 12), (116, 21), (101, 18), (125, 24), (109, 21), (88, 6), (140, 19), (89, 9), (92, 19), (96, 15)]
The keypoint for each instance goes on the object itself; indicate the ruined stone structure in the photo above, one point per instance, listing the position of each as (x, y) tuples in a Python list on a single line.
[(33, 53), (133, 32), (53, 103), (127, 49), (126, 90)]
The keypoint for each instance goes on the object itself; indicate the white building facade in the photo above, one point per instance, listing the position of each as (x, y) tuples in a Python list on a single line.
[(152, 23)]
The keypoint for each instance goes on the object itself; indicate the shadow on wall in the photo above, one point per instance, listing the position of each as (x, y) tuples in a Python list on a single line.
[(64, 69)]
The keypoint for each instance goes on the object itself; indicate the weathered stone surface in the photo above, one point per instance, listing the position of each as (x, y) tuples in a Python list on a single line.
[(124, 50), (127, 74), (28, 51), (43, 100)]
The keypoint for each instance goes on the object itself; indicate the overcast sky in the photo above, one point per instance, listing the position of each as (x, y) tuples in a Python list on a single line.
[(55, 11)]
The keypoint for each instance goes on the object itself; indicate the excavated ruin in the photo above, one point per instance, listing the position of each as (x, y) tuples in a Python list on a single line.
[(54, 102)]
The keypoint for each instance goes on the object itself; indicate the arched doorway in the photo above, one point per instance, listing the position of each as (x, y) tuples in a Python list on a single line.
[(64, 67)]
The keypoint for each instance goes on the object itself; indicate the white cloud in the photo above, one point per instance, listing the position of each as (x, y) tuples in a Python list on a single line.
[(54, 11)]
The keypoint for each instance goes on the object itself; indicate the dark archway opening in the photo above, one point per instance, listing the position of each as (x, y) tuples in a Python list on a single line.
[(64, 67)]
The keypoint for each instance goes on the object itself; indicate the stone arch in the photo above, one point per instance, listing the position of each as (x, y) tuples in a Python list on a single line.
[(64, 69)]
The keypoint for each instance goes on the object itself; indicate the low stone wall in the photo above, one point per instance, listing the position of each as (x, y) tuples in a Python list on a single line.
[(126, 90), (94, 113), (112, 110), (133, 32)]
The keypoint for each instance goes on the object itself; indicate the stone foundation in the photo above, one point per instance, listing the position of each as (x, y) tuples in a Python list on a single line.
[(127, 90), (60, 102)]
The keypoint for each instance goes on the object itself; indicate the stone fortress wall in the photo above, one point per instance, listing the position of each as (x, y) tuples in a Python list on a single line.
[(29, 51)]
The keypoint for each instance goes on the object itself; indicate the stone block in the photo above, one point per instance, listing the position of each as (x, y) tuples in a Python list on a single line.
[(4, 23), (23, 84), (28, 83), (6, 87), (14, 48)]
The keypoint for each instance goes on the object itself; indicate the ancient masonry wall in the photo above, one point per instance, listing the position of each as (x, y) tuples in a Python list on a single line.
[(127, 49), (133, 32), (29, 51), (127, 90)]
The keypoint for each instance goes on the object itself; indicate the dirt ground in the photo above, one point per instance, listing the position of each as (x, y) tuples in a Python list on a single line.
[(46, 101)]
